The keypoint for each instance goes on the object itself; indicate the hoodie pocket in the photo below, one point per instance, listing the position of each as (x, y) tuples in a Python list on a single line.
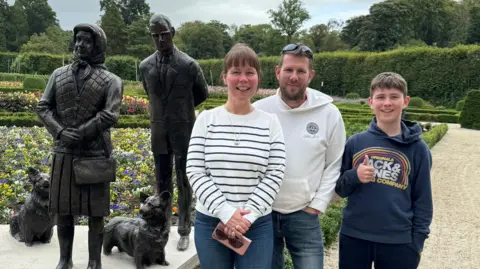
[(294, 194)]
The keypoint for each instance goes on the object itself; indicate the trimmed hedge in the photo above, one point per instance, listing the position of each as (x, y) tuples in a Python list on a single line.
[(417, 102), (470, 116), (25, 119), (20, 77), (45, 64), (435, 134), (6, 58), (439, 75), (34, 83)]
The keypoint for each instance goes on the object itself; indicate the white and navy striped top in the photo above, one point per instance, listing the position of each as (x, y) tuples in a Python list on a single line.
[(226, 176)]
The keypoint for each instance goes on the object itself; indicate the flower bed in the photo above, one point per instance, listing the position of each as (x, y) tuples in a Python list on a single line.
[(27, 101), (23, 147)]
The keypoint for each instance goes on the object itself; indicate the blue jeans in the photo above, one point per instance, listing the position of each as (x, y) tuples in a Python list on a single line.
[(214, 255), (302, 234)]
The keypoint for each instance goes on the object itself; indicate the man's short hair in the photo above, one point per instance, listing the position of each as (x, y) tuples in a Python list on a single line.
[(298, 49), (162, 19), (389, 80)]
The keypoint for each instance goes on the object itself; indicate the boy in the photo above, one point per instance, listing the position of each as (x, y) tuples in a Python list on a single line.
[(386, 176)]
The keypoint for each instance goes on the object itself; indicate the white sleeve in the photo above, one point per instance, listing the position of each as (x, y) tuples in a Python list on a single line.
[(333, 163)]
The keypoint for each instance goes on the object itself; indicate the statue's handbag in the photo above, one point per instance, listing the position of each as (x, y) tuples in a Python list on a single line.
[(95, 170)]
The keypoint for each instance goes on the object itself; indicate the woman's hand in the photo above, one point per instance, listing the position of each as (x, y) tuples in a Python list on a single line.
[(237, 225)]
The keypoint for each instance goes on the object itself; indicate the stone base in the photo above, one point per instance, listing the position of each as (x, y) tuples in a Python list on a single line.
[(15, 255)]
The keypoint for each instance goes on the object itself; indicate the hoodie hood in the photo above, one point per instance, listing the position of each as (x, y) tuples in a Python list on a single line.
[(314, 99), (411, 132), (99, 39)]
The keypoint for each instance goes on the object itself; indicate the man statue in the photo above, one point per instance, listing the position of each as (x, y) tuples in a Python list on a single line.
[(80, 104), (175, 85)]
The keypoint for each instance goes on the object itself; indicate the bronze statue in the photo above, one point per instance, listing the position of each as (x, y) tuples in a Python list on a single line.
[(80, 104), (175, 85)]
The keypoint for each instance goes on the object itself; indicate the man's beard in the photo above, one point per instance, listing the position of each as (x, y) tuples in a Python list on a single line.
[(296, 96)]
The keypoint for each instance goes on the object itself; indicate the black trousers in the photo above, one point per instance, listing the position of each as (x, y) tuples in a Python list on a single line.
[(360, 254), (163, 177)]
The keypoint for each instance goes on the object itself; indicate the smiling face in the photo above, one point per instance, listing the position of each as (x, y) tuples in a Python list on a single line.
[(241, 82), (293, 76), (387, 104)]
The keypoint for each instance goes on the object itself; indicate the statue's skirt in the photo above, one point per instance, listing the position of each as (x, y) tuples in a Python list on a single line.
[(68, 198)]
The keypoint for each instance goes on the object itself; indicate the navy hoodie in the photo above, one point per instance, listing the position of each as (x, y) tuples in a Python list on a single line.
[(396, 206)]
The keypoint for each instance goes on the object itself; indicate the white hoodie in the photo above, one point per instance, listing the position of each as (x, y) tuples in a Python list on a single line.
[(315, 138)]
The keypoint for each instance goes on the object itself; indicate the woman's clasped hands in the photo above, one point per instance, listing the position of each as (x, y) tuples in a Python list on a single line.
[(237, 225)]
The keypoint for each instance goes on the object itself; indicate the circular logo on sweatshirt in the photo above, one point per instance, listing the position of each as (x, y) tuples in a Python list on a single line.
[(312, 128)]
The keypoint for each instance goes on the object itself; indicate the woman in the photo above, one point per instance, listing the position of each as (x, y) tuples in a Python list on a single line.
[(235, 165)]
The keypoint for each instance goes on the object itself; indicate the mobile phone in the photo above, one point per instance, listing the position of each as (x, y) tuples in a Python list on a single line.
[(239, 245)]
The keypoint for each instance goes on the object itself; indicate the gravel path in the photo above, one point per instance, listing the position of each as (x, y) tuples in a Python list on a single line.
[(455, 231)]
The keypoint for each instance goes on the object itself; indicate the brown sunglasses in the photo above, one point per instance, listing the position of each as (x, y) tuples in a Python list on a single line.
[(234, 242)]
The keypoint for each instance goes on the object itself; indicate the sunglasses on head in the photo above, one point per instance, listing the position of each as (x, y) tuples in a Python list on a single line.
[(293, 47), (234, 242)]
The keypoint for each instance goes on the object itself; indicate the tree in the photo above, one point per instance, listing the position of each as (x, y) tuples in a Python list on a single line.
[(262, 38), (54, 40), (351, 33), (140, 43), (432, 20), (39, 14), (201, 40), (17, 30), (227, 40), (131, 10), (115, 30), (289, 17), (3, 24), (460, 24), (473, 34)]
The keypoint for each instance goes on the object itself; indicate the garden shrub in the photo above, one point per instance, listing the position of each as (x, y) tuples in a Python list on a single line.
[(352, 95), (34, 83), (435, 134), (8, 77), (429, 71), (460, 104), (470, 116), (6, 58), (416, 102)]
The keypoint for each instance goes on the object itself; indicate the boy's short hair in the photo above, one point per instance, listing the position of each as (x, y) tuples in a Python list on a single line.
[(389, 80)]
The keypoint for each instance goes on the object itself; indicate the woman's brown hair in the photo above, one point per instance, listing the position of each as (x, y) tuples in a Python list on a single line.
[(239, 55)]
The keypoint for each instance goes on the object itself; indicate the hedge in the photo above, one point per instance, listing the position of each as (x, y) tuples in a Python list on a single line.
[(439, 75), (25, 119), (6, 58), (435, 134), (470, 116), (45, 64)]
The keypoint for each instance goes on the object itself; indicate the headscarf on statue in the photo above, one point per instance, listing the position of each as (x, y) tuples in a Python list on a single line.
[(97, 59)]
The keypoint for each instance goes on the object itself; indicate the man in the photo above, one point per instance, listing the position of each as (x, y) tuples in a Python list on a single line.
[(80, 104), (314, 140), (175, 85)]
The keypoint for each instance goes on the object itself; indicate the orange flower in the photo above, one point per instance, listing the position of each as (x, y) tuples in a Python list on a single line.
[(175, 209)]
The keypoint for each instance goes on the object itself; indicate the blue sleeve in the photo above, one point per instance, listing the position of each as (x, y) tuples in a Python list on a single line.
[(422, 202), (348, 181)]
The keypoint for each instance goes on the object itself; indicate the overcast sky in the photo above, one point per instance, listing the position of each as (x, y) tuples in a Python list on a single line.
[(72, 12)]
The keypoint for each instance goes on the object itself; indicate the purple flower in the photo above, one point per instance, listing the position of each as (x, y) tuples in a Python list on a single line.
[(44, 161), (3, 181), (136, 182)]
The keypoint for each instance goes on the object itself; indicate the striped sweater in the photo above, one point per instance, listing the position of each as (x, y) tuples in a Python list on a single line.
[(226, 175)]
